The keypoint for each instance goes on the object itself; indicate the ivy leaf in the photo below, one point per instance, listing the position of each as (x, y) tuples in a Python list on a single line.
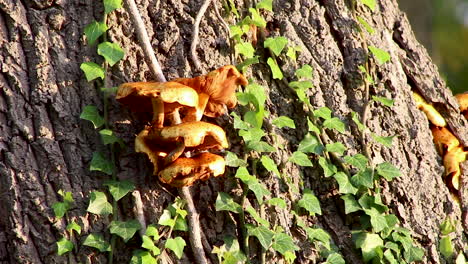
[(263, 234), (258, 189), (63, 246), (312, 127), (386, 141), (98, 204), (119, 189), (275, 70), (245, 48), (111, 5), (345, 186), (166, 219), (258, 92), (254, 118), (460, 258), (100, 163), (351, 205), (388, 255), (260, 146), (310, 202), (323, 112), (335, 258), (291, 53), (277, 202), (377, 219), (388, 171), (300, 159), (233, 161), (359, 161), (366, 25), (283, 243), (91, 114), (257, 19), (97, 241), (337, 147), (301, 85), (60, 208), (334, 123), (383, 100), (265, 4), (276, 44), (284, 121), (310, 144), (224, 202), (142, 257), (328, 168), (253, 134), (246, 63), (446, 247), (152, 231), (318, 234), (74, 226), (257, 217), (413, 254), (94, 30), (177, 245), (370, 245), (369, 3), (108, 137), (369, 78), (149, 244), (270, 165), (363, 178), (355, 118), (125, 230), (448, 226), (239, 123), (92, 71), (380, 55), (112, 52), (304, 72)]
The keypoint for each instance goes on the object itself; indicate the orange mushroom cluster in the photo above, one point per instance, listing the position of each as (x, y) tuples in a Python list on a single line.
[(446, 143), (176, 141)]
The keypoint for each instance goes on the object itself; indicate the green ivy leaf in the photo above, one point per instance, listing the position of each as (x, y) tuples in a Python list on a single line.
[(257, 217), (260, 146), (413, 254), (152, 231), (337, 147), (142, 257), (166, 219), (233, 161), (291, 53), (253, 134), (301, 85), (112, 52), (390, 257), (369, 3), (369, 78), (300, 159), (275, 69), (181, 224), (328, 168), (355, 118), (97, 241), (304, 72), (310, 144), (257, 19), (265, 4), (245, 48), (370, 245), (98, 204), (323, 112), (232, 7), (254, 118), (448, 226), (276, 44), (460, 258), (359, 161), (63, 246), (258, 189), (263, 234), (345, 186), (111, 5), (101, 163), (125, 230), (377, 219), (149, 244), (270, 165), (312, 127), (92, 71), (386, 141), (383, 100), (284, 121), (380, 55), (335, 123), (91, 114), (119, 189), (74, 226), (388, 171), (310, 202), (239, 123), (94, 30), (446, 247), (283, 243), (238, 30), (366, 25), (351, 205), (258, 92), (246, 63), (335, 258), (177, 245), (108, 137), (318, 234), (224, 202), (363, 178), (277, 202), (60, 208)]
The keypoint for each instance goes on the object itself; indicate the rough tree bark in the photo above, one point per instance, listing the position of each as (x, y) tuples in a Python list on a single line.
[(45, 146)]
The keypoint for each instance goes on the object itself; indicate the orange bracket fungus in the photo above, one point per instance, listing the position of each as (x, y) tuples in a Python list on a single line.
[(431, 113), (463, 102), (169, 144)]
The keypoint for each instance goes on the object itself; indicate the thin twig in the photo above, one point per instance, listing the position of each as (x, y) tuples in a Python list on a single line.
[(196, 30), (138, 211), (228, 32)]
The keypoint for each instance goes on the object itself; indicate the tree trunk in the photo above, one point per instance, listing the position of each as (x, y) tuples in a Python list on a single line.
[(45, 147)]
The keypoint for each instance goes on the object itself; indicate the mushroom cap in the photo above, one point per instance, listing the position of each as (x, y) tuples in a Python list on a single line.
[(195, 134), (431, 113), (137, 95), (141, 145), (462, 101), (220, 85), (444, 140), (452, 162), (185, 171)]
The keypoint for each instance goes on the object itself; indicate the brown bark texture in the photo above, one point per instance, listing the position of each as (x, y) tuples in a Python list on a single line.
[(45, 146)]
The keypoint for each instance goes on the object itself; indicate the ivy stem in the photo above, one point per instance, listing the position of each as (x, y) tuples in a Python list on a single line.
[(245, 237)]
